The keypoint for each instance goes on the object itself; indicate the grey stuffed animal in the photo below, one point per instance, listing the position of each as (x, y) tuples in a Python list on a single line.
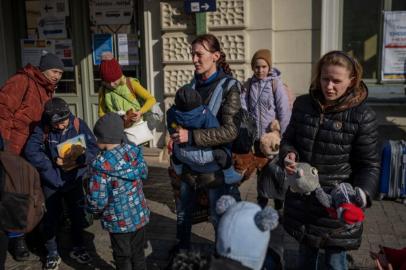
[(305, 180), (342, 193)]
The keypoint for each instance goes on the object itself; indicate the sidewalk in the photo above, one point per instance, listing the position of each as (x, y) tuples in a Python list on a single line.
[(385, 224)]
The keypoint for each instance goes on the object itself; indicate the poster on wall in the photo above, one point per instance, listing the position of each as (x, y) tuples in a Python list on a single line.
[(55, 8), (101, 43), (33, 49), (394, 46), (106, 12), (52, 27), (64, 50), (127, 49)]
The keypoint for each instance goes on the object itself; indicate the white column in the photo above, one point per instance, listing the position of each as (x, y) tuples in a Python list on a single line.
[(331, 25)]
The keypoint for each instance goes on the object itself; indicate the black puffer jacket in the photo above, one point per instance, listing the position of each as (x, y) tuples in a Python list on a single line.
[(341, 142)]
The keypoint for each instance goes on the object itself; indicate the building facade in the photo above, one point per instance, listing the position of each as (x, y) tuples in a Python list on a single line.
[(156, 37)]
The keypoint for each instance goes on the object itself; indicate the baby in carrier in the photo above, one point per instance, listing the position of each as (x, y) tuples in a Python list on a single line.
[(189, 113)]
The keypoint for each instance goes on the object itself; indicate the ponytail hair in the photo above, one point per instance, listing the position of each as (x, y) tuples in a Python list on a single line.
[(211, 44)]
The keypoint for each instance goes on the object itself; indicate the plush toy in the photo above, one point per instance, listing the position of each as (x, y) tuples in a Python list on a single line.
[(343, 203), (305, 180), (247, 163), (269, 142)]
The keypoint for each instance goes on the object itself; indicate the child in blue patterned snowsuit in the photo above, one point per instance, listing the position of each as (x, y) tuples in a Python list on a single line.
[(115, 191)]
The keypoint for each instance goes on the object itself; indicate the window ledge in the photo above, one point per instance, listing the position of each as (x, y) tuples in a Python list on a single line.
[(387, 93)]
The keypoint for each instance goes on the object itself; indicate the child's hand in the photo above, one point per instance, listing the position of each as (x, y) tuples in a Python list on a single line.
[(66, 164), (290, 163), (180, 136)]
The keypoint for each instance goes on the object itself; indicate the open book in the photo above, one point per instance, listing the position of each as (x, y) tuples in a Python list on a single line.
[(72, 148)]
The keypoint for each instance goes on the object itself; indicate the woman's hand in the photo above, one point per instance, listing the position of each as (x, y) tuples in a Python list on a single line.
[(290, 163), (136, 116), (180, 136)]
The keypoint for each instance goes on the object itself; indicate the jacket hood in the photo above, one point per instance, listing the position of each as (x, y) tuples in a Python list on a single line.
[(352, 98), (119, 164), (36, 75), (190, 118), (273, 74)]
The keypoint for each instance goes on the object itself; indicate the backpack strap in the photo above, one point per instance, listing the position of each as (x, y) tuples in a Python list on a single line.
[(220, 92), (76, 124), (130, 86), (274, 87)]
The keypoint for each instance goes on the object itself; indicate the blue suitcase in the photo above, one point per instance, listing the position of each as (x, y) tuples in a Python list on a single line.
[(393, 171)]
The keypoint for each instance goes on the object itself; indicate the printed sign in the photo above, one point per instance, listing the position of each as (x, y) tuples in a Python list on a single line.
[(52, 27), (394, 46), (101, 43), (33, 49), (56, 8), (127, 49), (106, 12), (64, 50), (195, 6)]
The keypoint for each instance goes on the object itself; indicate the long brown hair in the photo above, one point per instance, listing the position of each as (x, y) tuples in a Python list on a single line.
[(339, 58), (211, 44)]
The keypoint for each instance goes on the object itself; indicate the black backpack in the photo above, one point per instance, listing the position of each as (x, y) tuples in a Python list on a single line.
[(247, 132)]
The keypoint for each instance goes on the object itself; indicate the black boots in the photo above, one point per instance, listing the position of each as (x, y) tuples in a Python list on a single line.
[(19, 250)]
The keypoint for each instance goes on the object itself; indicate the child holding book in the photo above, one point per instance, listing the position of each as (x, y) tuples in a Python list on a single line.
[(115, 191), (61, 174)]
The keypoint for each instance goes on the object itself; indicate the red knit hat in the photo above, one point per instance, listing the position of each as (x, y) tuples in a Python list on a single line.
[(110, 70)]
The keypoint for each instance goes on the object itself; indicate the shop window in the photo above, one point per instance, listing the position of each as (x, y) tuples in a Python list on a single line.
[(361, 28), (48, 29), (362, 34)]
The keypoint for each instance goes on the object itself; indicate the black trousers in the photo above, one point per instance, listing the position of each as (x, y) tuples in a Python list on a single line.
[(128, 250), (3, 249)]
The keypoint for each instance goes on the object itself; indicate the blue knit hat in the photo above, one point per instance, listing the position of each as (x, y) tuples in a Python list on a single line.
[(243, 233)]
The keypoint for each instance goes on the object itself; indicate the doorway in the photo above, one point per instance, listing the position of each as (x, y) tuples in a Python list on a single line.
[(71, 29)]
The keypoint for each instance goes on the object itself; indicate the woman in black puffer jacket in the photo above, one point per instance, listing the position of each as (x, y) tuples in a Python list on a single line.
[(333, 129)]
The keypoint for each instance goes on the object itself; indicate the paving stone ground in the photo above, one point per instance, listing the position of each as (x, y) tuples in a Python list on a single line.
[(385, 224)]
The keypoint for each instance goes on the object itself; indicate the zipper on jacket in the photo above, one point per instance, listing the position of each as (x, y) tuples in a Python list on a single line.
[(321, 121)]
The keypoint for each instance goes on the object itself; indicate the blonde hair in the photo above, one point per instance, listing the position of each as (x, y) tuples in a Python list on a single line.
[(342, 59)]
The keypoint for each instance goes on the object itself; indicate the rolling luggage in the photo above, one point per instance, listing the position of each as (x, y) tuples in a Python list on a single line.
[(392, 182)]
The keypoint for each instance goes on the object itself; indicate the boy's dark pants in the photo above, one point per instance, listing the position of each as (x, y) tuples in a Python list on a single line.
[(3, 248), (74, 199), (128, 250)]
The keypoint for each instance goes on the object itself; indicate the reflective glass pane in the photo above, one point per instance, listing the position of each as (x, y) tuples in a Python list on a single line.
[(361, 20)]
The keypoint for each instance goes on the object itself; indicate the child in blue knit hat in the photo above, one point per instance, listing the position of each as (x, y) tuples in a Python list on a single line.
[(243, 233)]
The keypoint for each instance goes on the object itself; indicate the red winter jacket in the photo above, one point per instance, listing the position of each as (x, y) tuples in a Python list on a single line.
[(22, 100)]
